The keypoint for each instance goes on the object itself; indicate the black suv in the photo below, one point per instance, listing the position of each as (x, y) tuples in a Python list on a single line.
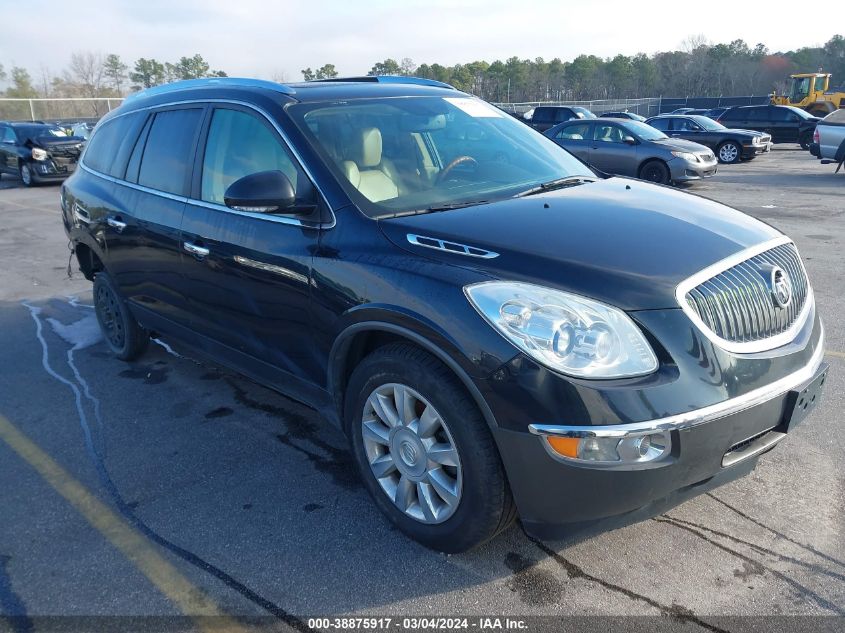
[(545, 117), (785, 124), (498, 330), (37, 152)]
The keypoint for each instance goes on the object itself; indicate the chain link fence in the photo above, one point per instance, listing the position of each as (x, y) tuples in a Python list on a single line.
[(64, 110), (644, 107)]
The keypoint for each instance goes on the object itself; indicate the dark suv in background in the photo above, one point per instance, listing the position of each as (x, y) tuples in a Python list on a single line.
[(785, 124), (496, 328), (545, 117), (37, 152)]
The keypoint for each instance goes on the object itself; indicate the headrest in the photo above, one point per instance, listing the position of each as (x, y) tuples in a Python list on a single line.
[(370, 147), (350, 170)]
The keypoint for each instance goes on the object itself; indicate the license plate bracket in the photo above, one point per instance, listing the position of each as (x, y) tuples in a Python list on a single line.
[(800, 402)]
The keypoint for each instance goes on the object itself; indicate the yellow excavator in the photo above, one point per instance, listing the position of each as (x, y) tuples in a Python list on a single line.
[(810, 92)]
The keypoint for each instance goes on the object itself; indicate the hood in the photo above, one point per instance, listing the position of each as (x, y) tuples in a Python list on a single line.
[(48, 141), (749, 133), (621, 241), (681, 145)]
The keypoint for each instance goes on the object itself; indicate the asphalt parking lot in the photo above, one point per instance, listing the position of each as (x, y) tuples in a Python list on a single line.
[(169, 486)]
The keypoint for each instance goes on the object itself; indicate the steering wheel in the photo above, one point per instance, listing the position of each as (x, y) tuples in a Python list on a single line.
[(448, 168)]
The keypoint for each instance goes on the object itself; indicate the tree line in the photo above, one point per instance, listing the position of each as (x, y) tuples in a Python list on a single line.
[(91, 74), (699, 68)]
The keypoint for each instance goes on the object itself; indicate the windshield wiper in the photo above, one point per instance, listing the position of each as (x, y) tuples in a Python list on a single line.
[(434, 209), (557, 183)]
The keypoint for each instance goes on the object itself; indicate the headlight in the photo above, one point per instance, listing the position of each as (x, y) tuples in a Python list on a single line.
[(686, 156), (39, 154), (565, 332), (757, 140)]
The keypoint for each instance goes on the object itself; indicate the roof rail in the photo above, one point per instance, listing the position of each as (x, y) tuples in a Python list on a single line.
[(222, 82), (389, 79)]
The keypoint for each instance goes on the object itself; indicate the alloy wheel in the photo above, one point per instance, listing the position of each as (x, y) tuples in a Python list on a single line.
[(728, 153), (411, 453)]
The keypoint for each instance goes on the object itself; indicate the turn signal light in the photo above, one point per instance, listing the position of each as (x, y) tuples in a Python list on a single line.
[(566, 446)]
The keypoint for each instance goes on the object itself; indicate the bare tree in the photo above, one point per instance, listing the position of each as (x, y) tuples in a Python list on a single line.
[(87, 71)]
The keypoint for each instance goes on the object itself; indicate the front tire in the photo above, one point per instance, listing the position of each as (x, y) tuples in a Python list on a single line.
[(124, 336), (729, 152), (655, 171), (424, 451), (27, 177)]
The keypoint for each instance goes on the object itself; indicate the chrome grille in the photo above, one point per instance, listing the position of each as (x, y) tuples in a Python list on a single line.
[(736, 304)]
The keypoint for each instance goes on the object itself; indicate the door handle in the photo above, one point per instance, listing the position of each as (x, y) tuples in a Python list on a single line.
[(196, 251), (116, 224)]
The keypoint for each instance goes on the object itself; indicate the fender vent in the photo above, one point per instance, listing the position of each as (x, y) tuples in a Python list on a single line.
[(450, 247)]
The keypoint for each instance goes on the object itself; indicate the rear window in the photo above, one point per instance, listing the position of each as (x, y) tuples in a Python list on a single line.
[(731, 115), (109, 147), (169, 150), (543, 115)]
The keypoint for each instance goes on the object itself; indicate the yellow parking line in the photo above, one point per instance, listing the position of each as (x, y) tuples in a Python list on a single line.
[(190, 599), (828, 352)]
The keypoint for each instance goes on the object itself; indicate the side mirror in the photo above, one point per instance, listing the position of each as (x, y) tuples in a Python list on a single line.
[(629, 140), (263, 192)]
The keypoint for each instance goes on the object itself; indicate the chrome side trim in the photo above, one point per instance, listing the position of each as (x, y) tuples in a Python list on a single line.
[(697, 416), (443, 245), (750, 347), (132, 185), (269, 217), (270, 120), (272, 268)]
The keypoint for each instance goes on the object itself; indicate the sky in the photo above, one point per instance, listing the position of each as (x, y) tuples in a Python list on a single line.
[(276, 39)]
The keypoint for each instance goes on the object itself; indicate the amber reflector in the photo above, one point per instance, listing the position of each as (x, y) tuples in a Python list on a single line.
[(566, 446)]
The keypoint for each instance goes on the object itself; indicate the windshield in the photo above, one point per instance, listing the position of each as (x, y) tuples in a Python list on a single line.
[(405, 154), (800, 88), (707, 123), (585, 114), (36, 131), (643, 131)]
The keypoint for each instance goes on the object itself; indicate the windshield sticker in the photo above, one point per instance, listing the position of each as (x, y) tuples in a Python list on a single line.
[(474, 107)]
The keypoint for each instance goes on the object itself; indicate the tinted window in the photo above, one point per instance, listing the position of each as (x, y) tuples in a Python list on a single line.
[(685, 125), (732, 115), (564, 114), (661, 124), (574, 132), (758, 114), (108, 148), (782, 114), (543, 114), (169, 150), (238, 145)]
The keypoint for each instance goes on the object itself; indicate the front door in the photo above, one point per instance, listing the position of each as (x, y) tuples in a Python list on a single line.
[(248, 275), (610, 153)]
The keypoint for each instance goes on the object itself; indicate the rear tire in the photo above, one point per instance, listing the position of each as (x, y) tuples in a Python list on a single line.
[(729, 152), (805, 140), (124, 336), (400, 468), (655, 171)]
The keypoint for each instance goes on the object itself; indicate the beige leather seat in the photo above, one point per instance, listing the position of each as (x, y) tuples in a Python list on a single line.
[(367, 172)]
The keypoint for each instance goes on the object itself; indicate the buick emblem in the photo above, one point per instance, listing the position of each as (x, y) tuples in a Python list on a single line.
[(781, 288)]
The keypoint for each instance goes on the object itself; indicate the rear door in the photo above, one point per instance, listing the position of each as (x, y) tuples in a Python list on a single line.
[(142, 232), (248, 275)]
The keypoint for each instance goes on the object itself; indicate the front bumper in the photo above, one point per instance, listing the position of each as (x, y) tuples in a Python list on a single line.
[(686, 171), (51, 170), (710, 446), (755, 150)]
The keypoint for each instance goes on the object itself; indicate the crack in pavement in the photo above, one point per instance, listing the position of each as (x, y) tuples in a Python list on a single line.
[(802, 589), (125, 508), (763, 550), (758, 523), (675, 611)]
